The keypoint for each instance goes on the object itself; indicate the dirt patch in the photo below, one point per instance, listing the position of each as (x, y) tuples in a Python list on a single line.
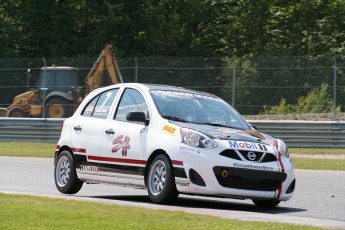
[(319, 156), (305, 117)]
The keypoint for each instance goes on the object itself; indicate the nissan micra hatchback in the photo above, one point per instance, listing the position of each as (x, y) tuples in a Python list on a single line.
[(170, 140)]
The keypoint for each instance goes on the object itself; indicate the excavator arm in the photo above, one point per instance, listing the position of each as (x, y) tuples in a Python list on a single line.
[(106, 60)]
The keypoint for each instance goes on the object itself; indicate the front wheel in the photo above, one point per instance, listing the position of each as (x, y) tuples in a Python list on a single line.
[(160, 180), (65, 174), (266, 203)]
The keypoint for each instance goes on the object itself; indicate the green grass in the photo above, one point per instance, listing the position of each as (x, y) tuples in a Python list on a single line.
[(24, 149), (317, 150), (27, 212), (319, 164)]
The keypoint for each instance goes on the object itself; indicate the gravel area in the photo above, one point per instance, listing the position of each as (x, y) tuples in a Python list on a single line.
[(321, 156), (305, 117)]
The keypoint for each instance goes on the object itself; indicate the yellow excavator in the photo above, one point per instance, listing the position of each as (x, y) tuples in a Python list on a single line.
[(59, 92)]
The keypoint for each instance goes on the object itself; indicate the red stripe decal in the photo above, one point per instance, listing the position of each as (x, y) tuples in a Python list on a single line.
[(282, 170), (279, 191), (79, 150), (118, 160), (281, 162), (176, 162)]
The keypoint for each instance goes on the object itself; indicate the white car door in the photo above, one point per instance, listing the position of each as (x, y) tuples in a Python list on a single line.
[(123, 148), (88, 128)]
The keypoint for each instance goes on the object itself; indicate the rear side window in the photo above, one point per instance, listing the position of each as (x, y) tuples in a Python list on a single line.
[(100, 105)]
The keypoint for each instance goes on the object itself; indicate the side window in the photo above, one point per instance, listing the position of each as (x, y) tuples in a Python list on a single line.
[(131, 100), (100, 106)]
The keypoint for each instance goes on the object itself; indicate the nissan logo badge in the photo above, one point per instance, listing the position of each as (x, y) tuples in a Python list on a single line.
[(251, 156)]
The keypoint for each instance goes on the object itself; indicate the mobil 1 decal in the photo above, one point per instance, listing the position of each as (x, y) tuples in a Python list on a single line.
[(247, 145)]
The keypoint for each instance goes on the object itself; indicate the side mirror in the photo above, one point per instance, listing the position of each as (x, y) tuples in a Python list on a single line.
[(254, 127), (137, 117)]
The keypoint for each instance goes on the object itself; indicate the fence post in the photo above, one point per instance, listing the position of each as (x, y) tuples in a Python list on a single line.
[(136, 70), (233, 85), (334, 88)]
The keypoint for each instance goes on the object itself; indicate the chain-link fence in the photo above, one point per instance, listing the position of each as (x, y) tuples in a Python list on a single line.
[(249, 84)]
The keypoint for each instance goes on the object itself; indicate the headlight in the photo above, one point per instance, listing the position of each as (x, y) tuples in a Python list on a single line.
[(282, 148), (196, 139)]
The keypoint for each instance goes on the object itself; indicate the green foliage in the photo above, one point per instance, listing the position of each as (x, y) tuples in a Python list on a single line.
[(305, 32), (31, 28), (282, 108), (316, 101)]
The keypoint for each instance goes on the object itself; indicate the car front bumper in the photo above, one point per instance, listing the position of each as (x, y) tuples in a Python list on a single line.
[(209, 173)]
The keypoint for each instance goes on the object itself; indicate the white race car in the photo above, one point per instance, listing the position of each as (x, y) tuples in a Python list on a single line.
[(170, 140)]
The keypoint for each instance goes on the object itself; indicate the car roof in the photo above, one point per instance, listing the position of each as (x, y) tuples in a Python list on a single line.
[(162, 87)]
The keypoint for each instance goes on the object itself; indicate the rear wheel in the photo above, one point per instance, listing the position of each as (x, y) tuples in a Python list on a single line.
[(266, 203), (160, 181), (65, 174), (16, 112), (57, 108)]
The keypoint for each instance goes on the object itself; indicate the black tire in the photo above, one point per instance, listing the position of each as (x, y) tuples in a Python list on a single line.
[(65, 174), (16, 112), (57, 107), (266, 203), (160, 181)]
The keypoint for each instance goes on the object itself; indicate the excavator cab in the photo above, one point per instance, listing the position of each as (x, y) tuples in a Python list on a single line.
[(59, 90), (57, 79)]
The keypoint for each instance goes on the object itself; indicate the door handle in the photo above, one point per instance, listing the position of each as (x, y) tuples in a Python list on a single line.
[(77, 128), (109, 131)]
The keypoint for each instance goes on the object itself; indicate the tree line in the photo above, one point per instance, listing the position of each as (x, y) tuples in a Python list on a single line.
[(173, 28), (293, 37)]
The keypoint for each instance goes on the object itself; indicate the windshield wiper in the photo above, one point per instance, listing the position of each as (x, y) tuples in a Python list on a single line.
[(174, 118)]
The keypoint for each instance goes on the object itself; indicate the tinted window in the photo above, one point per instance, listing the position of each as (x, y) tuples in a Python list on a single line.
[(100, 105), (131, 100)]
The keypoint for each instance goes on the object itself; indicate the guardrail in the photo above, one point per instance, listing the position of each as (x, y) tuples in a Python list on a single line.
[(308, 134), (305, 134), (30, 129)]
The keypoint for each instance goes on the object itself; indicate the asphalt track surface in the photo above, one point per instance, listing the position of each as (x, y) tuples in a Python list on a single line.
[(319, 198)]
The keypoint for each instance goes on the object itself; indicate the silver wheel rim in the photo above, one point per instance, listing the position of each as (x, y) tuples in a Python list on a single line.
[(157, 177), (62, 171)]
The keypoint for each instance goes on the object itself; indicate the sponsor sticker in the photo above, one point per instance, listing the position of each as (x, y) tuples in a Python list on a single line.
[(182, 184), (169, 129), (247, 145), (185, 94), (189, 149), (249, 166), (88, 168), (121, 142)]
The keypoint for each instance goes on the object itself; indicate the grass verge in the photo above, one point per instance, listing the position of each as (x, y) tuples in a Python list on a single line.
[(317, 150), (318, 163), (27, 149), (27, 212)]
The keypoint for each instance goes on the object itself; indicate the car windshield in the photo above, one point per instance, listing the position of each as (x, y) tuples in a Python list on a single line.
[(197, 108)]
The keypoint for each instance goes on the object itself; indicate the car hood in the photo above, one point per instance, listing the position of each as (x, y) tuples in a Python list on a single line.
[(225, 133)]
